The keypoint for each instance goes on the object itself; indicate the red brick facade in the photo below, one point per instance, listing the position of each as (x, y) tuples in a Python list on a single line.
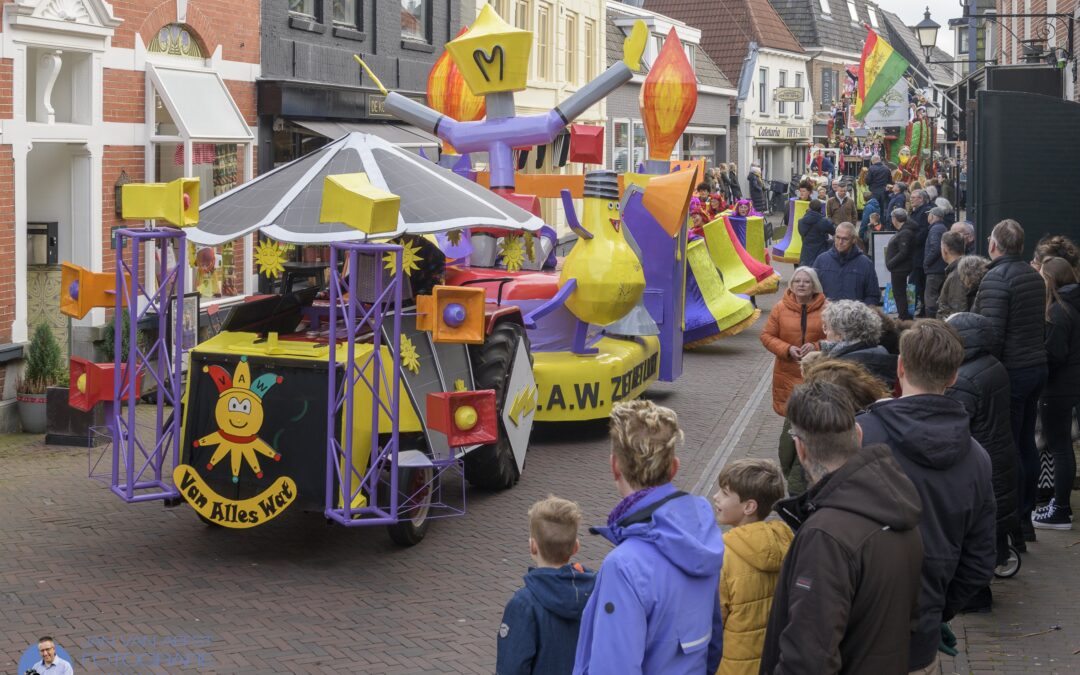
[(1050, 33), (125, 97)]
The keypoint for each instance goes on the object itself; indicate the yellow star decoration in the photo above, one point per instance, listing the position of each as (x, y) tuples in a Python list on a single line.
[(459, 384), (530, 247), (409, 358), (454, 237), (513, 252), (410, 258), (270, 257)]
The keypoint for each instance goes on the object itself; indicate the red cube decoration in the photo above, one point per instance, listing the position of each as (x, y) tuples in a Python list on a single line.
[(586, 144), (466, 417)]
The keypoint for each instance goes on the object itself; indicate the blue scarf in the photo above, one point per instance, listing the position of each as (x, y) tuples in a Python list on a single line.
[(628, 502)]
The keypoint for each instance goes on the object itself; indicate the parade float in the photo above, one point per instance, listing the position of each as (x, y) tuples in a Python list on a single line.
[(367, 395)]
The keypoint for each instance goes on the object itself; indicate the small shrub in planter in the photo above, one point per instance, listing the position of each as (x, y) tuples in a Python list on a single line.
[(43, 369)]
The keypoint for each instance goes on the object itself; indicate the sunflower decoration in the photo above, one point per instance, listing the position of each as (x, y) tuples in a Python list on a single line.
[(459, 384), (513, 252), (410, 258), (270, 256), (409, 358), (454, 237), (530, 246)]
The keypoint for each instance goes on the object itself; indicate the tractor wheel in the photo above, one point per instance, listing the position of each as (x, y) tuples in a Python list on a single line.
[(415, 488), (492, 466)]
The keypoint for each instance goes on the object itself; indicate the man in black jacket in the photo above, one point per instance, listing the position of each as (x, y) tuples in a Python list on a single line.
[(930, 437), (1013, 296), (933, 263), (878, 178), (815, 230), (920, 215), (849, 586)]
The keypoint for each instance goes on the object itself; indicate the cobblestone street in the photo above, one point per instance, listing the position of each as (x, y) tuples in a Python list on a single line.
[(140, 588)]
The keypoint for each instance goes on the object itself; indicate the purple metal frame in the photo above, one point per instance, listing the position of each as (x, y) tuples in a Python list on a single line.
[(361, 319), (139, 471)]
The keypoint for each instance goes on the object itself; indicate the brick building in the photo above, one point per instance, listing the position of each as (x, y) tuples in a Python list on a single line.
[(90, 92), (1038, 39)]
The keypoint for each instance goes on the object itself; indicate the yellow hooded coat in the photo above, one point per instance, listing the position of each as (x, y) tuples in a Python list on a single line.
[(753, 555)]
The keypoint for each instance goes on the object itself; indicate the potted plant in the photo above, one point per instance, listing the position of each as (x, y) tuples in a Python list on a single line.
[(43, 366)]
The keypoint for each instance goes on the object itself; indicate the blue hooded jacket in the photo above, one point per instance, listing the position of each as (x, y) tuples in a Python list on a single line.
[(540, 624), (656, 606)]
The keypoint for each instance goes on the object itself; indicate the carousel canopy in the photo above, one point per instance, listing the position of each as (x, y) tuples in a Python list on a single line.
[(284, 203)]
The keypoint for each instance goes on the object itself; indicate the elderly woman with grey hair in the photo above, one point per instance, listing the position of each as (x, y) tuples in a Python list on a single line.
[(853, 332)]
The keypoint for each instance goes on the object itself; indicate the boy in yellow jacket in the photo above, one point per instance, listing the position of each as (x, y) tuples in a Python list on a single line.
[(753, 552)]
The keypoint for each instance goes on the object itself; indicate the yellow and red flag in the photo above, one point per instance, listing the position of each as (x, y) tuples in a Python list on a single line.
[(879, 69)]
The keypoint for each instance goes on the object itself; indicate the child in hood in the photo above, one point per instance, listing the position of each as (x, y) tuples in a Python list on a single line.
[(754, 550), (655, 608), (540, 624)]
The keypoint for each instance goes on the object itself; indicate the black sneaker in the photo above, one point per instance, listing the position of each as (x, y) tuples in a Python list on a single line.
[(1053, 518)]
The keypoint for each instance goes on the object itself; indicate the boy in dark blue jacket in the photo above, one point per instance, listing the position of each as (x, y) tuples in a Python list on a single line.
[(539, 630)]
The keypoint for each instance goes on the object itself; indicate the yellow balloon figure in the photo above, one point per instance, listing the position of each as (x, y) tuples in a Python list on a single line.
[(602, 278), (239, 416)]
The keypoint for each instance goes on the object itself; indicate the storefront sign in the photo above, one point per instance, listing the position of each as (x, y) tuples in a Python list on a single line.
[(376, 105), (789, 94), (782, 132)]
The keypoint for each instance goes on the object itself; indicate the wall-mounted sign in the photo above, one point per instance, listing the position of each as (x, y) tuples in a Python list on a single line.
[(376, 105), (782, 132), (789, 94)]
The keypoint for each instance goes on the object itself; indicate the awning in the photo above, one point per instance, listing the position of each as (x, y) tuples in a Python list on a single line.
[(199, 104), (708, 131), (401, 135)]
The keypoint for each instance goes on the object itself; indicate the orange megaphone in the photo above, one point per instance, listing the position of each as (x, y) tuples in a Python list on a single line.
[(93, 382), (81, 290), (668, 199), (452, 314)]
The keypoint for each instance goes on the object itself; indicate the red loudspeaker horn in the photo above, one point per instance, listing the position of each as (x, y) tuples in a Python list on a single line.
[(93, 382), (466, 417)]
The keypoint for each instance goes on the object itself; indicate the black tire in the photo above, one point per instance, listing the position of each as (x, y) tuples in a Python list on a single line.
[(492, 466), (411, 529)]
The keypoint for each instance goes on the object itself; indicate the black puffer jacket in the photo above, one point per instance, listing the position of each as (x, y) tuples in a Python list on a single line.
[(930, 437), (982, 386), (921, 216), (1013, 296), (814, 228), (1063, 344), (876, 359)]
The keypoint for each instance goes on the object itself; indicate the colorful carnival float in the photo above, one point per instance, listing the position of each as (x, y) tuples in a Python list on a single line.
[(445, 325)]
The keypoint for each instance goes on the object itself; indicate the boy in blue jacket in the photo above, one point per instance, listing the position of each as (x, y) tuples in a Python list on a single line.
[(656, 606), (540, 624)]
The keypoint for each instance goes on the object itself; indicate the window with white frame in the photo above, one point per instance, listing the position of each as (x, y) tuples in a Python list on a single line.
[(523, 14), (571, 48), (852, 11), (825, 6), (798, 105), (689, 49), (781, 107), (590, 50), (542, 34), (500, 7), (873, 16), (620, 147), (345, 14), (763, 90)]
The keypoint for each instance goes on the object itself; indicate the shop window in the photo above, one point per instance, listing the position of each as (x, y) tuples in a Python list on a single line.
[(571, 48), (416, 20), (346, 13), (543, 41), (590, 50), (303, 8), (523, 14), (58, 86), (620, 146), (175, 40)]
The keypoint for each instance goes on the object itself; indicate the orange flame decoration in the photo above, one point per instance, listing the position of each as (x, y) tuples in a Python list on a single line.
[(668, 98), (448, 93)]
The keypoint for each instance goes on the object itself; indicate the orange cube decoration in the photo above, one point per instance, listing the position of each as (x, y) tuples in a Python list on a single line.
[(452, 314), (93, 382), (466, 417), (586, 144)]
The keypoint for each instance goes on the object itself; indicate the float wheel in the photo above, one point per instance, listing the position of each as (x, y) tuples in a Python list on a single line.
[(415, 488), (492, 466)]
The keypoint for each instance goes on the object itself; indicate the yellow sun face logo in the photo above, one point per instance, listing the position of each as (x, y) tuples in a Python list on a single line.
[(239, 415), (513, 252), (410, 360), (270, 257), (410, 258)]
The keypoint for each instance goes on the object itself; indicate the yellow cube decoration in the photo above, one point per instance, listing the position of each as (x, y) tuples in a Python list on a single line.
[(492, 55), (350, 198)]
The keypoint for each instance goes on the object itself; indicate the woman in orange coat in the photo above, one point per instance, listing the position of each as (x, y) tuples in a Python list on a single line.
[(793, 331)]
